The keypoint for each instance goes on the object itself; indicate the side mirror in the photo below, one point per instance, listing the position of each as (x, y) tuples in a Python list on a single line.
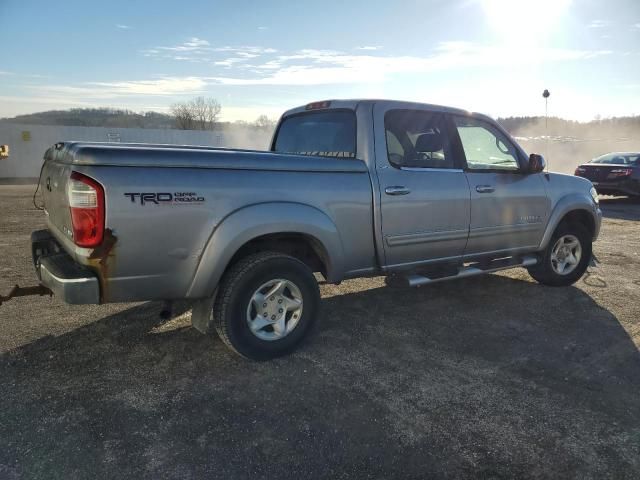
[(536, 163), (4, 152)]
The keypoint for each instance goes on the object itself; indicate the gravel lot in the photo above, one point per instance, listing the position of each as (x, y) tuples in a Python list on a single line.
[(492, 377)]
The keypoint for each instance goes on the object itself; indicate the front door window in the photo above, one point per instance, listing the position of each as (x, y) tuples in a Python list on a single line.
[(486, 147)]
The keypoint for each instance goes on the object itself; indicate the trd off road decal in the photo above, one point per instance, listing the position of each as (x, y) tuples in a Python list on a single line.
[(165, 198)]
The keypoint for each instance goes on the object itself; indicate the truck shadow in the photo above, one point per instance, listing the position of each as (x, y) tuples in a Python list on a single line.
[(132, 395), (622, 208)]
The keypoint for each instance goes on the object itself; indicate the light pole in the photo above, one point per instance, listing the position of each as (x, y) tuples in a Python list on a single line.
[(546, 94)]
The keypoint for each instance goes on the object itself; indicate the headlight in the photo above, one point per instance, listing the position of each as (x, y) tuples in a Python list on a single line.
[(594, 195)]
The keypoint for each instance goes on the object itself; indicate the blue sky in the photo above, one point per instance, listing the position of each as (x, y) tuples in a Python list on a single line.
[(255, 57)]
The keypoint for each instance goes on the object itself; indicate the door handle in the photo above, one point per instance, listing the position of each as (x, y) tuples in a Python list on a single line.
[(484, 189), (397, 190)]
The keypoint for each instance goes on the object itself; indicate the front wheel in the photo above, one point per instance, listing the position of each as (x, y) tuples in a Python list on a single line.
[(266, 304), (566, 258)]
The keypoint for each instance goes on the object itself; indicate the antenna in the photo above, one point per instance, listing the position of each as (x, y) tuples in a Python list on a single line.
[(546, 94)]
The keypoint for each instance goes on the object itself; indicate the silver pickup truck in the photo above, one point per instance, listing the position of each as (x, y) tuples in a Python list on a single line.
[(351, 188)]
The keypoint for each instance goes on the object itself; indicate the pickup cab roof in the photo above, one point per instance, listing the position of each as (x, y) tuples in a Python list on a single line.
[(352, 104)]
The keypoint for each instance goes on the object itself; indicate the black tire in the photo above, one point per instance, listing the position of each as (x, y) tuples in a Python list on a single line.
[(236, 289), (544, 273)]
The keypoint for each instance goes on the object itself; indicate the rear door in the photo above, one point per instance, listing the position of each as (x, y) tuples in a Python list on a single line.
[(509, 207), (425, 196)]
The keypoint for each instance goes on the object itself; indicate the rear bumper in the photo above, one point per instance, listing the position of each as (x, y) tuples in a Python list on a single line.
[(629, 187), (70, 281)]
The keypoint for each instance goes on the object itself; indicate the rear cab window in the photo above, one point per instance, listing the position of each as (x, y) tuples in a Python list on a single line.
[(329, 133)]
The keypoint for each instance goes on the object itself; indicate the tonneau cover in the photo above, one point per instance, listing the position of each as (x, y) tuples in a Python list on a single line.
[(188, 156)]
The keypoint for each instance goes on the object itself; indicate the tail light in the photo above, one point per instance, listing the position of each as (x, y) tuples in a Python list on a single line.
[(621, 172), (579, 170), (86, 202)]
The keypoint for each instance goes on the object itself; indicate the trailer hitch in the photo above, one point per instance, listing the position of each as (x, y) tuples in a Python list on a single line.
[(17, 291)]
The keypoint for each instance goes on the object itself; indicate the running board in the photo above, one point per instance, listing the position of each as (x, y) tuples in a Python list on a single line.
[(476, 268)]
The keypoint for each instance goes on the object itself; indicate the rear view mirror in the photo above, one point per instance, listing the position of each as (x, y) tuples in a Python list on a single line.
[(4, 152), (536, 163)]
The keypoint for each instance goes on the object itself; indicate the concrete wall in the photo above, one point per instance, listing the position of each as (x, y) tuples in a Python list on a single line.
[(27, 143)]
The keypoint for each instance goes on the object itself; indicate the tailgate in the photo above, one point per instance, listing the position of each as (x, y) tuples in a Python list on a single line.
[(53, 185)]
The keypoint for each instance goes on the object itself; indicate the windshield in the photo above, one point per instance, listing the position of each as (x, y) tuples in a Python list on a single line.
[(618, 159), (327, 133)]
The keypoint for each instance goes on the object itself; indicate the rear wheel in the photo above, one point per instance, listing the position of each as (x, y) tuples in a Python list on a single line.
[(266, 304), (566, 258)]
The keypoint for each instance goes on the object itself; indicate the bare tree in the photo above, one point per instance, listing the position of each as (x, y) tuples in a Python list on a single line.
[(265, 122), (206, 111), (198, 114), (183, 116)]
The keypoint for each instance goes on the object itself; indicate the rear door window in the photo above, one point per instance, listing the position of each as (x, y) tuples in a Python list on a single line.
[(327, 133), (417, 139)]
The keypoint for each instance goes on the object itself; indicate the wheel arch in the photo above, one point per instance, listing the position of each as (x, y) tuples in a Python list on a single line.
[(572, 208), (298, 229)]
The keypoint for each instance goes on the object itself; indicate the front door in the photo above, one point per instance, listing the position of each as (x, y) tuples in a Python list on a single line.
[(509, 207), (424, 193)]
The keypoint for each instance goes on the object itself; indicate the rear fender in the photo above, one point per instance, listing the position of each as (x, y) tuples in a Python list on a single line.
[(568, 203), (254, 221)]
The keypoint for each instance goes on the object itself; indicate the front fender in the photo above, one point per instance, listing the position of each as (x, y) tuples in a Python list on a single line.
[(254, 221), (568, 203)]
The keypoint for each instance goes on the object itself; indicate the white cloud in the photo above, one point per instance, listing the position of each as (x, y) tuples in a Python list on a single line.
[(270, 65), (167, 86), (53, 99), (246, 49), (369, 70), (599, 24), (23, 75), (229, 61), (198, 50), (324, 67), (123, 27), (369, 47), (263, 28), (194, 44), (162, 86)]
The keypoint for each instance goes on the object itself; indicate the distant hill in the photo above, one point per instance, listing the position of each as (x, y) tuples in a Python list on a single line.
[(565, 143), (96, 117), (627, 127), (616, 127)]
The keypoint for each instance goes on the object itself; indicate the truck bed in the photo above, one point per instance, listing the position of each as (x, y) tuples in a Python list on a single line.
[(166, 206), (186, 156)]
